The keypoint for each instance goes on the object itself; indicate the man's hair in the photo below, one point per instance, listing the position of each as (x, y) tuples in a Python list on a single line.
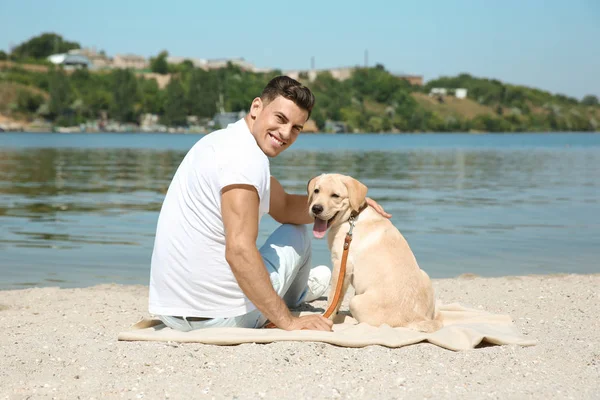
[(291, 89)]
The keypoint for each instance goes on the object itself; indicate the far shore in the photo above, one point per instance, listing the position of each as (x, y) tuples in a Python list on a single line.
[(62, 343), (183, 132)]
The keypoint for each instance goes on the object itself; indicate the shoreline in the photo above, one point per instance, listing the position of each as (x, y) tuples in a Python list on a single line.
[(63, 342), (75, 132), (463, 276)]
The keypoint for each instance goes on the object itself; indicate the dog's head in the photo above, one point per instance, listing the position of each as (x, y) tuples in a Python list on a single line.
[(332, 198)]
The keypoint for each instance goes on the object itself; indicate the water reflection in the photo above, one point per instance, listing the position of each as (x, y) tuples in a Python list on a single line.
[(46, 182), (74, 212)]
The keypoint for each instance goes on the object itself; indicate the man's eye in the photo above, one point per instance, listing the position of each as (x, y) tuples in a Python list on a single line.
[(335, 196), (316, 191)]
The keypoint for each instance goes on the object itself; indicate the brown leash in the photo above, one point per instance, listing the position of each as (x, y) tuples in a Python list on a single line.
[(338, 296)]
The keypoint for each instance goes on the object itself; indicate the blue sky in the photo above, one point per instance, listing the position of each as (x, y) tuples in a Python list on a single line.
[(549, 44)]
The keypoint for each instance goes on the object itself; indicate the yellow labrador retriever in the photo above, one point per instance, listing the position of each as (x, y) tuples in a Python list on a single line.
[(390, 288)]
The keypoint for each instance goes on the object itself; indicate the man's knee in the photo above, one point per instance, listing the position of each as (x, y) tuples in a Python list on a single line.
[(304, 233), (298, 236), (294, 231)]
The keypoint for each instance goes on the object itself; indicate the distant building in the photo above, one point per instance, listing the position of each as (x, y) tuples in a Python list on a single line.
[(130, 61), (70, 60), (460, 93), (206, 64), (340, 74), (416, 80), (196, 62), (438, 92), (222, 63), (343, 73), (98, 60)]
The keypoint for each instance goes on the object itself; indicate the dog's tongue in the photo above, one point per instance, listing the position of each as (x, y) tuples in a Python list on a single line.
[(320, 228)]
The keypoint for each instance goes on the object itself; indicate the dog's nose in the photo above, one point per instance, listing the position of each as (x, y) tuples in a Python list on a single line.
[(317, 209)]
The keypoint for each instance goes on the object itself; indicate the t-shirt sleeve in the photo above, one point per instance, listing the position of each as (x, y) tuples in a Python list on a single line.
[(235, 168)]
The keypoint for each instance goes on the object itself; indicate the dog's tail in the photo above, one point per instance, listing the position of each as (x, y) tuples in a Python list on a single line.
[(427, 326)]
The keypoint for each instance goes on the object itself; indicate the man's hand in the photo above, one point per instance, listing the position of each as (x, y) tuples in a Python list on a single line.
[(312, 322), (377, 207)]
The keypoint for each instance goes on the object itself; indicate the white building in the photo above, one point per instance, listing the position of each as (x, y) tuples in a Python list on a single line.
[(438, 92), (460, 93), (98, 60), (70, 60)]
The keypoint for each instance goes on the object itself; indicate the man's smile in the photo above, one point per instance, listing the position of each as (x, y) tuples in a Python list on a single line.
[(276, 140)]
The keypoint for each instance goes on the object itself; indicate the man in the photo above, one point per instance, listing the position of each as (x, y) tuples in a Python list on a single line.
[(206, 268)]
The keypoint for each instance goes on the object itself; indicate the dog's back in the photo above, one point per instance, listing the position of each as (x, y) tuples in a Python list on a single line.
[(390, 288)]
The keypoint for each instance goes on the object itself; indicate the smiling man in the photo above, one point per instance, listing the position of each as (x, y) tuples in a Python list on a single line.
[(206, 268)]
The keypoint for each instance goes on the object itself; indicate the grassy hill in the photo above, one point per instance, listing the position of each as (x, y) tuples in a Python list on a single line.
[(20, 99), (453, 107)]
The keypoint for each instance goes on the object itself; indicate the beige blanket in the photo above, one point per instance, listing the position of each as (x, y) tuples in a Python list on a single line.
[(464, 328)]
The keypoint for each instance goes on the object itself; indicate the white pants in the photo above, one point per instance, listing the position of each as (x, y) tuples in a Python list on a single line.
[(287, 256)]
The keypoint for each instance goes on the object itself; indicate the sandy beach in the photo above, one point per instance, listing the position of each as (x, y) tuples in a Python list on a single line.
[(62, 343)]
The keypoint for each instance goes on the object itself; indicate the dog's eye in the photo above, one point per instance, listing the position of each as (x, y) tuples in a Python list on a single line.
[(335, 196), (316, 191)]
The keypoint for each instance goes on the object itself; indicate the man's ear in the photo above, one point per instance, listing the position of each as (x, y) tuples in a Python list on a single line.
[(310, 188), (357, 192), (256, 107)]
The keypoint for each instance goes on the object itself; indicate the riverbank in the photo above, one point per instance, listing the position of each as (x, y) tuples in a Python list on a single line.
[(63, 343)]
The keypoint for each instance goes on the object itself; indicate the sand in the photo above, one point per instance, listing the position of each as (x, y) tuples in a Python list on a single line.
[(61, 343)]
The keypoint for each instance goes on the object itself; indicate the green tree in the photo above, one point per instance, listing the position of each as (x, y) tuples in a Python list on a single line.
[(241, 87), (331, 97), (93, 92), (590, 100), (28, 101), (42, 46), (3, 55), (375, 83), (61, 95), (202, 94), (159, 63), (354, 117), (486, 123), (405, 104), (175, 114), (152, 97), (125, 96), (184, 67), (378, 124)]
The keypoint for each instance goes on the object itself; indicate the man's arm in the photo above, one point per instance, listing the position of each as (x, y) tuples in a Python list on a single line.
[(293, 208), (239, 209), (288, 208)]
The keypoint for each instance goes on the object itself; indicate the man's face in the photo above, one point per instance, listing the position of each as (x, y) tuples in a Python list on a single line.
[(277, 124)]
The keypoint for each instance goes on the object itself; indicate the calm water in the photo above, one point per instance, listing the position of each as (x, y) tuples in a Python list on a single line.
[(78, 210)]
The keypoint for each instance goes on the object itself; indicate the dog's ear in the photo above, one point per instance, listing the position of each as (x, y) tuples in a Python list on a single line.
[(310, 188), (357, 192)]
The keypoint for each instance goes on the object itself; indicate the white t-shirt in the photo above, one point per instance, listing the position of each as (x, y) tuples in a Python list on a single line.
[(190, 276)]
